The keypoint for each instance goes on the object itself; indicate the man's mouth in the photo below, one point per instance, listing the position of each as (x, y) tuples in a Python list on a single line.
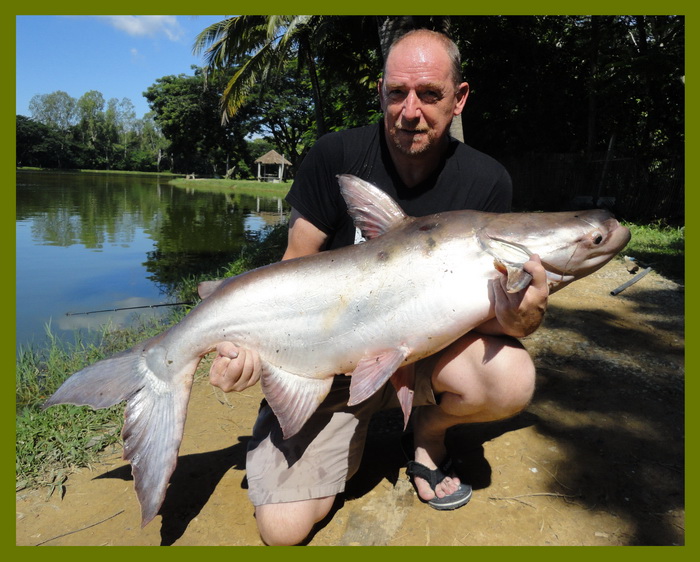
[(413, 132)]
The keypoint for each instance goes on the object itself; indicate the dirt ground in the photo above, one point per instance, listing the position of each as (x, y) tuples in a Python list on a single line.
[(597, 459)]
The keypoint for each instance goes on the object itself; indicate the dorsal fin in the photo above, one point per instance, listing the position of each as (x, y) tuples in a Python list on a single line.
[(372, 210)]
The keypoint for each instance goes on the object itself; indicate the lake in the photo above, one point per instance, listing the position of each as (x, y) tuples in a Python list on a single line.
[(89, 241)]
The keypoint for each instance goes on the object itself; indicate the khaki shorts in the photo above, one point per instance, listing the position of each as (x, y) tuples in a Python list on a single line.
[(317, 461)]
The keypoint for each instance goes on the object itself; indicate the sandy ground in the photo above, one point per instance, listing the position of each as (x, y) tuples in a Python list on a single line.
[(597, 459)]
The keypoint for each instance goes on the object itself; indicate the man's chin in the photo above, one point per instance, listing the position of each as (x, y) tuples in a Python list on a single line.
[(414, 147)]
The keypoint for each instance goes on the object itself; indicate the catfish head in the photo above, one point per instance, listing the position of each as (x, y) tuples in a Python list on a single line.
[(571, 245)]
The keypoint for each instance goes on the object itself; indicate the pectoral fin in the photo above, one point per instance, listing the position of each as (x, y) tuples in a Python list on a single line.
[(508, 258), (372, 372), (518, 278), (293, 398)]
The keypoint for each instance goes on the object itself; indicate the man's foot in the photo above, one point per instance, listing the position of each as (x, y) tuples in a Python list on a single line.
[(437, 486), (439, 477)]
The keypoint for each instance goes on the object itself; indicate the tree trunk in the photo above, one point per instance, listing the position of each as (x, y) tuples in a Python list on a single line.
[(313, 75)]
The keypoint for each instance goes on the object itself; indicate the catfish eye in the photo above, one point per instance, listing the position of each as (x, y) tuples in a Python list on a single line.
[(598, 239)]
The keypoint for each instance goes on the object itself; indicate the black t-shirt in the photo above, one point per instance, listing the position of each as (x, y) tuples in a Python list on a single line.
[(467, 179)]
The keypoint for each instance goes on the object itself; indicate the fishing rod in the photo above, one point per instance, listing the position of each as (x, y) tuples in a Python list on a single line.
[(131, 308)]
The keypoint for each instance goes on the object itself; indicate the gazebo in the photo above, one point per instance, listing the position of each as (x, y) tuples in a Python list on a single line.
[(271, 166)]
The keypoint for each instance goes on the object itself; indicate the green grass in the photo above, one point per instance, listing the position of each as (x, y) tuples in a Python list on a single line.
[(51, 443), (659, 246), (249, 187), (80, 170)]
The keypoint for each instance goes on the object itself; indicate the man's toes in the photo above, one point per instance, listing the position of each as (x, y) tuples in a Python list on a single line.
[(424, 489), (447, 487)]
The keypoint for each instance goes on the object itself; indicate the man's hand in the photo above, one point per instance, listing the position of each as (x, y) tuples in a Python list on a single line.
[(234, 368), (519, 314)]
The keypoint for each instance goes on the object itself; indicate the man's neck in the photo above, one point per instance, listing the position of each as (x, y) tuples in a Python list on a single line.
[(413, 170)]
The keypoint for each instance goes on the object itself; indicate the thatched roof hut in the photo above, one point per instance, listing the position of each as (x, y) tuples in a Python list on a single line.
[(271, 166)]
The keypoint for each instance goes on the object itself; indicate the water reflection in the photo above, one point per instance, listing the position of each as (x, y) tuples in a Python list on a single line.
[(95, 241)]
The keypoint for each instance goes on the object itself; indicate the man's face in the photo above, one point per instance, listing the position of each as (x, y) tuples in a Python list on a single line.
[(419, 96)]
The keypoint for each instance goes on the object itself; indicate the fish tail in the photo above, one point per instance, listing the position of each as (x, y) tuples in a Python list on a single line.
[(154, 417)]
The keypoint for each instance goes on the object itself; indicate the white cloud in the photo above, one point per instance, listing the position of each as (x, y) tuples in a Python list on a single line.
[(148, 25)]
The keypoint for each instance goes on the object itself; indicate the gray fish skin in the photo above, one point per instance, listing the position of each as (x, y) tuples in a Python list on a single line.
[(415, 286)]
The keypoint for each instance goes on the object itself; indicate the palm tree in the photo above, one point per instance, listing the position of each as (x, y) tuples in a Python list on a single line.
[(259, 46)]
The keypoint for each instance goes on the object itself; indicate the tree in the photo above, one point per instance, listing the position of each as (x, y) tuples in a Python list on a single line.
[(152, 146), (280, 111), (188, 114), (90, 107), (273, 41), (56, 109), (126, 118), (37, 144)]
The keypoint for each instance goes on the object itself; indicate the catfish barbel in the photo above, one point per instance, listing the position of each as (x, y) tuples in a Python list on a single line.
[(414, 287)]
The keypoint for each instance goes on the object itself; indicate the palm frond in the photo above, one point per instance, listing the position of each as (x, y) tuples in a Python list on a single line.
[(268, 41), (244, 79)]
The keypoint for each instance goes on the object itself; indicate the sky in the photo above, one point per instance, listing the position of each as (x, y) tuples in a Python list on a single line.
[(119, 56)]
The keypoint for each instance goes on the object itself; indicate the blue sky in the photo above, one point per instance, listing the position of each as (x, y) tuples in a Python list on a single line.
[(119, 56)]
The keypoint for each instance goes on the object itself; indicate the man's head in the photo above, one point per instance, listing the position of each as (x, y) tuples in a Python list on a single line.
[(421, 91)]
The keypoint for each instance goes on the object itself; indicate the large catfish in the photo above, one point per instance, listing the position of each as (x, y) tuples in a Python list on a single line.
[(415, 286)]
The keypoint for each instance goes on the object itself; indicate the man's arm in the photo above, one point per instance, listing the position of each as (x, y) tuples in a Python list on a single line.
[(235, 368), (303, 238)]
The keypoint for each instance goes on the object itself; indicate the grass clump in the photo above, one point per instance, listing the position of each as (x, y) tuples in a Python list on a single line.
[(249, 187), (659, 246), (51, 443)]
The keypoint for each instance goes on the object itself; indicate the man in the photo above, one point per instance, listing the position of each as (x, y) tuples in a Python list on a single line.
[(486, 375)]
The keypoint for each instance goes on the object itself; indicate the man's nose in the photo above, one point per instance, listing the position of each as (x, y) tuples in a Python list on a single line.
[(411, 106)]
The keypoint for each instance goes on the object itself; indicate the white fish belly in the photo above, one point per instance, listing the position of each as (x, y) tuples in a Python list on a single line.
[(324, 317)]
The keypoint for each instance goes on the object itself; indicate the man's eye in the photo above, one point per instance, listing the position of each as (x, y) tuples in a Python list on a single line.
[(430, 96)]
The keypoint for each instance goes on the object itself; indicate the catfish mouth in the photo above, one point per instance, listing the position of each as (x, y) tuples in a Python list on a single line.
[(600, 250), (556, 275)]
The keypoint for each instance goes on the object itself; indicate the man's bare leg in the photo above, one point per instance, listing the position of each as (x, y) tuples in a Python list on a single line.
[(290, 523), (478, 379)]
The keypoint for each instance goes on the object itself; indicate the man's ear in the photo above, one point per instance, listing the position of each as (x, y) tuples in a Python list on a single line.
[(462, 95)]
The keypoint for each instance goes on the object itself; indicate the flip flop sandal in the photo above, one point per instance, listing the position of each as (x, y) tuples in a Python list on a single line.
[(456, 499)]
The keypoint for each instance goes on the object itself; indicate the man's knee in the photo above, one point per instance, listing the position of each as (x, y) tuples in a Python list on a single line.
[(290, 523), (514, 383), (518, 389), (490, 377)]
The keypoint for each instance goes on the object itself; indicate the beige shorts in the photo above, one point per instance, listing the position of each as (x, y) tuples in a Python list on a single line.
[(317, 461)]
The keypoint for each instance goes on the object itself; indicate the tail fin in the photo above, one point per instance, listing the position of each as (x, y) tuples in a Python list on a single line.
[(154, 417)]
